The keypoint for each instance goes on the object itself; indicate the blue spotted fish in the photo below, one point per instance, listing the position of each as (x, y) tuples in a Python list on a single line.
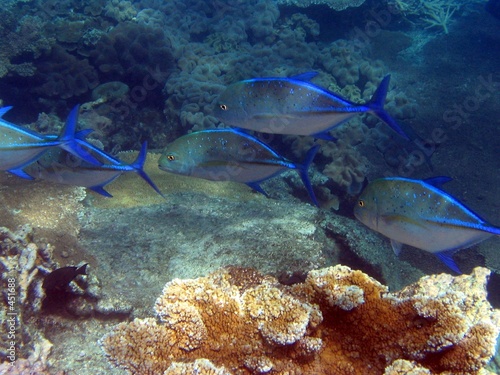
[(295, 106), (57, 165), (418, 213), (230, 155), (20, 147)]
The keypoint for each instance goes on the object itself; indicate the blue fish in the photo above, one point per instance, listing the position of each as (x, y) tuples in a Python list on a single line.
[(295, 106), (20, 147), (57, 165), (419, 214), (230, 155)]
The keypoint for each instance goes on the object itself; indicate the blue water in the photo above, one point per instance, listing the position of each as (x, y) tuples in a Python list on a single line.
[(170, 60)]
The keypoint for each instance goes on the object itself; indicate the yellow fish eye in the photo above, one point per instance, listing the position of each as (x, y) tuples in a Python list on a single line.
[(170, 157), (223, 107), (361, 203)]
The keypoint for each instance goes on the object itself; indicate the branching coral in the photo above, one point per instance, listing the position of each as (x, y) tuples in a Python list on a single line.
[(437, 13), (338, 321)]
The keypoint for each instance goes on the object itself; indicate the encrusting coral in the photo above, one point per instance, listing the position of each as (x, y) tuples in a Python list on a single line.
[(339, 321)]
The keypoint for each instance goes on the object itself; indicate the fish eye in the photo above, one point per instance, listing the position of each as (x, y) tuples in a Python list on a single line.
[(170, 157), (361, 203), (223, 107)]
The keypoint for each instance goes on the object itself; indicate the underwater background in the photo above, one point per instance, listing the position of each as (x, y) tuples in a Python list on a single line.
[(152, 70)]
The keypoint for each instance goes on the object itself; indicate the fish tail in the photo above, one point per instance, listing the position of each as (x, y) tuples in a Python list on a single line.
[(376, 105), (303, 171), (138, 166), (70, 143)]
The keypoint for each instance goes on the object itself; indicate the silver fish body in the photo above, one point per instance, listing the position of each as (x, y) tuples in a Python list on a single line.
[(294, 106), (228, 155), (59, 166), (419, 214), (19, 147)]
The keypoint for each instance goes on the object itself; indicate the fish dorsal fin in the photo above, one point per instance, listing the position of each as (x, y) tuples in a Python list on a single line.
[(306, 77), (396, 246), (438, 181), (82, 269), (4, 110)]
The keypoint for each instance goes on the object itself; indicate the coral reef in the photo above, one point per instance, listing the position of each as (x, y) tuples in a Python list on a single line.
[(434, 13), (23, 264), (65, 76), (334, 4), (26, 39), (200, 366), (35, 364), (250, 324), (120, 10), (337, 321), (131, 52), (348, 167)]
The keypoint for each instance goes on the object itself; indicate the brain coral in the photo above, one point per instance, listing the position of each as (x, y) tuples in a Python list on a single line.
[(338, 321)]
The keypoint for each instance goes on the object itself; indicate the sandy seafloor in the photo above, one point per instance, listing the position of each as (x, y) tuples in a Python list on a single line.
[(136, 242)]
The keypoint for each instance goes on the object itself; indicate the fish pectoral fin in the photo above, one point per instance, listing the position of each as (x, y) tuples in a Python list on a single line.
[(396, 246), (446, 258), (325, 136), (100, 190), (21, 173), (256, 187)]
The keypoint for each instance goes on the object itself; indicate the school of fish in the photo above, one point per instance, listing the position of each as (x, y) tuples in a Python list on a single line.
[(412, 212), (66, 159)]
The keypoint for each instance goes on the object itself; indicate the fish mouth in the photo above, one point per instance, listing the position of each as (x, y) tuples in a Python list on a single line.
[(161, 167)]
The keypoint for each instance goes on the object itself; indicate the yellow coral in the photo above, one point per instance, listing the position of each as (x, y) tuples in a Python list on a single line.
[(338, 321), (200, 367)]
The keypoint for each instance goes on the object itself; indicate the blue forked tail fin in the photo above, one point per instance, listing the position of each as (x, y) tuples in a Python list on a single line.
[(71, 142), (138, 166), (376, 105)]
